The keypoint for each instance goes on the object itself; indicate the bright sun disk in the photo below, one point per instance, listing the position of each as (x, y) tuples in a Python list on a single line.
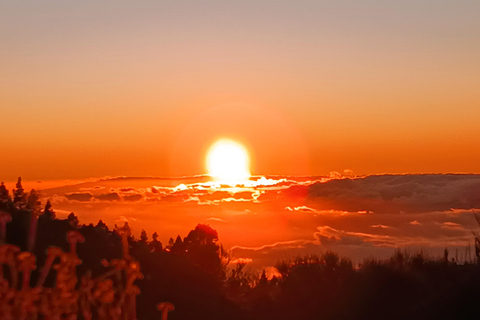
[(228, 162)]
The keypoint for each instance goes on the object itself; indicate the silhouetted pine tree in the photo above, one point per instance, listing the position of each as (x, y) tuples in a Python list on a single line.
[(33, 202), (19, 196), (5, 200), (178, 247), (101, 225), (143, 237), (48, 212), (73, 220)]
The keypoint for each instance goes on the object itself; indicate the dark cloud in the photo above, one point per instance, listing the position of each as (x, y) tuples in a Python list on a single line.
[(298, 192), (79, 196), (399, 193), (108, 197), (92, 188)]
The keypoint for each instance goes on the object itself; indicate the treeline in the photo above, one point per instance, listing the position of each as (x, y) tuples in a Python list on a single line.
[(189, 272), (405, 286), (193, 273)]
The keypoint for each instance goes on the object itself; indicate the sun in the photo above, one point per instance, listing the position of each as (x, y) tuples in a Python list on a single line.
[(228, 162)]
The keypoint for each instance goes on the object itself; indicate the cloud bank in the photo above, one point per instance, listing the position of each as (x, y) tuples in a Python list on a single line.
[(276, 217)]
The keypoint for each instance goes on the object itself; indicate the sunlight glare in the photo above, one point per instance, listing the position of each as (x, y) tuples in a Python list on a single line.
[(228, 162)]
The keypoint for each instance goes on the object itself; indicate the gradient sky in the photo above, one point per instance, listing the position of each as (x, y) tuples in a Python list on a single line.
[(107, 88)]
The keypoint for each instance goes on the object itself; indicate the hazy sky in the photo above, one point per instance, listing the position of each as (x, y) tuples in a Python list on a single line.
[(96, 88)]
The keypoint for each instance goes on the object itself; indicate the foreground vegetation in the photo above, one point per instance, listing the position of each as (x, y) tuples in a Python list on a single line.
[(60, 269)]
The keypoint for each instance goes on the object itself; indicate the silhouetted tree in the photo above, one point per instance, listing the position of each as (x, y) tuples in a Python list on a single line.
[(48, 212), (101, 225), (33, 206), (477, 239), (155, 245), (73, 220), (239, 282), (33, 202), (171, 242), (178, 246), (260, 297), (201, 247), (331, 260), (143, 237), (19, 196), (5, 200), (263, 278), (203, 234)]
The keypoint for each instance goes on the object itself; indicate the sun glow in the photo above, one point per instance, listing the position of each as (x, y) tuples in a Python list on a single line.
[(228, 162)]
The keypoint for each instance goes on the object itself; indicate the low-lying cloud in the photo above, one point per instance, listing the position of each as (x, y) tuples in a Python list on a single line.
[(278, 217), (399, 193)]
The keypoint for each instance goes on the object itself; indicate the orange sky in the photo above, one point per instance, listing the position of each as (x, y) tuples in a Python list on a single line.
[(105, 89)]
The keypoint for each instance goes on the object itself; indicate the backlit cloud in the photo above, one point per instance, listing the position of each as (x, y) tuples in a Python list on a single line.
[(241, 261), (452, 226), (289, 217), (381, 226), (216, 219)]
